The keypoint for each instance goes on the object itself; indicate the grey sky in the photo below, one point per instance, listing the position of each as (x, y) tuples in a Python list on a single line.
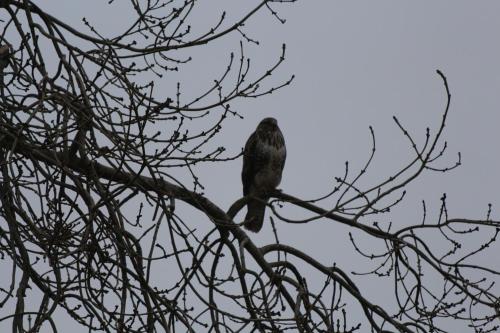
[(358, 63)]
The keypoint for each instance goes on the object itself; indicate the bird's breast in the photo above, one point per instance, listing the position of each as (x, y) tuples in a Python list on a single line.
[(269, 175)]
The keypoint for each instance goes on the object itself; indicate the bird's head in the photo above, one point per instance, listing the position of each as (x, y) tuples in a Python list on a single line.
[(268, 124)]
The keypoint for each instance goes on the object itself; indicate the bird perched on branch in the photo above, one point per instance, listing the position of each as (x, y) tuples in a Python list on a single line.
[(4, 57), (263, 161)]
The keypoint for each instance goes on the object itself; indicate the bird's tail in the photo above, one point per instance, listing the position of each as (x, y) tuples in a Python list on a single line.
[(255, 215)]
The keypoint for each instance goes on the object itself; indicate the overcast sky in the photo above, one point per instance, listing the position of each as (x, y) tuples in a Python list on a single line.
[(358, 63)]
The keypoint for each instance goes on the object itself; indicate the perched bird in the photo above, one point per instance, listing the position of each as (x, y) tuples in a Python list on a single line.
[(263, 162), (4, 58)]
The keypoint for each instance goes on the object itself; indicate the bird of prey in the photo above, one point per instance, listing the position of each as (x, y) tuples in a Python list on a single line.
[(263, 162)]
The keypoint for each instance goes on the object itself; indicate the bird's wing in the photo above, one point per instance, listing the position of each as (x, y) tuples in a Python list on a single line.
[(248, 171)]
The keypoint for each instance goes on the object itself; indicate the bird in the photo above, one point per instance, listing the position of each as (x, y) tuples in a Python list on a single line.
[(263, 162)]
